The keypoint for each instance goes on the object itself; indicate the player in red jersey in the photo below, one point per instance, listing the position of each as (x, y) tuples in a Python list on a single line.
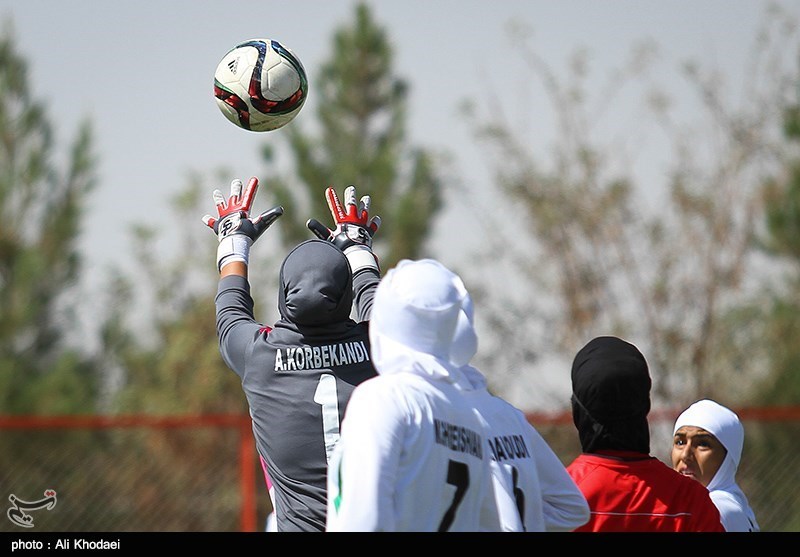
[(627, 489)]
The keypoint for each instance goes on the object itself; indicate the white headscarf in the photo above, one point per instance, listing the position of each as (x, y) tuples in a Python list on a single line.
[(465, 346), (420, 322), (724, 424)]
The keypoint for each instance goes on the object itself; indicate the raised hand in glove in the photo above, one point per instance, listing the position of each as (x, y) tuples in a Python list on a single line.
[(234, 227), (354, 228)]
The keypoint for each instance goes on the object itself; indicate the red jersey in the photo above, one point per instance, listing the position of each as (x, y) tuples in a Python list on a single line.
[(631, 492)]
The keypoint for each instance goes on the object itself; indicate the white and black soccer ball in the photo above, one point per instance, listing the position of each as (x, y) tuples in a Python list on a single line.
[(260, 85)]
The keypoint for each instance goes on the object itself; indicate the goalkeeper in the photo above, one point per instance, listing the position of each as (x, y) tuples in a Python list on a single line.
[(297, 374)]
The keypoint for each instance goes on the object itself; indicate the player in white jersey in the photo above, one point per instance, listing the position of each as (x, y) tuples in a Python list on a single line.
[(532, 489), (412, 452), (533, 492)]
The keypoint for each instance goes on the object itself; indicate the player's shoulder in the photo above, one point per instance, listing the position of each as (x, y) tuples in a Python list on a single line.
[(685, 483), (385, 389), (582, 466), (686, 487), (498, 410), (720, 496), (512, 412), (408, 381)]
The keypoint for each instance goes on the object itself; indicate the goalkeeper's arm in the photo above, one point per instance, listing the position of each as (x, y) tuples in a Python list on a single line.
[(235, 229), (354, 229)]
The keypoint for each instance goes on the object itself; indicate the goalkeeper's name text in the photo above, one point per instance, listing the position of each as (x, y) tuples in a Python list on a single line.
[(319, 357)]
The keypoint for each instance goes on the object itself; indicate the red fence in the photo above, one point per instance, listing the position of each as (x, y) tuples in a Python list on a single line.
[(201, 473), (29, 439)]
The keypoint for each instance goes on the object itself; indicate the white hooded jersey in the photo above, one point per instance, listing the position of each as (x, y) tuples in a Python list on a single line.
[(410, 459), (533, 491), (411, 456), (724, 424)]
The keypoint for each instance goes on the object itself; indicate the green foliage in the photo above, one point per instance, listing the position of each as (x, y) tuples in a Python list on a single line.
[(782, 240), (41, 206), (782, 200), (183, 372), (171, 364)]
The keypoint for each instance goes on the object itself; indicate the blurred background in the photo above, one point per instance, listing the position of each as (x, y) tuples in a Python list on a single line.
[(627, 168)]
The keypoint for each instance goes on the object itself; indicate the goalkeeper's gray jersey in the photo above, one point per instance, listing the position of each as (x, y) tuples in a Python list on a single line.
[(298, 375)]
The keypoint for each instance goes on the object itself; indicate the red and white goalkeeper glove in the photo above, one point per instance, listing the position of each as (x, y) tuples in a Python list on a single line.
[(234, 227), (354, 228)]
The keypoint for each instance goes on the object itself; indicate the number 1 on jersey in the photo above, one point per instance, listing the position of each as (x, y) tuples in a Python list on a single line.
[(327, 397)]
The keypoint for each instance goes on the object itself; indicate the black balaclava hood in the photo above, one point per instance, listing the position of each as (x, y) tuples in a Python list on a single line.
[(316, 285), (611, 396)]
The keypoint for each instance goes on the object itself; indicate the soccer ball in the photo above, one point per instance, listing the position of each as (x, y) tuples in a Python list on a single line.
[(260, 85)]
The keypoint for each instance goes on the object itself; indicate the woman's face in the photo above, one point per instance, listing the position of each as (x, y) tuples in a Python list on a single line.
[(697, 454)]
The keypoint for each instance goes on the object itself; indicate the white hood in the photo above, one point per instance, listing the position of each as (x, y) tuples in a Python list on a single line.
[(725, 425), (421, 322), (465, 345)]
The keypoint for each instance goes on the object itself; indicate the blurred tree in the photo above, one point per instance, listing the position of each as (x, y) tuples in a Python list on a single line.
[(589, 256), (41, 206), (361, 107), (777, 315), (170, 364), (781, 240)]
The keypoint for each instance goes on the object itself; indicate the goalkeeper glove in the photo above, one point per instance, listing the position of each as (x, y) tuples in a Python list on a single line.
[(234, 227), (354, 228)]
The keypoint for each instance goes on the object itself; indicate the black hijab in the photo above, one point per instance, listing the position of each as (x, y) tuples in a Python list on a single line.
[(316, 285), (611, 396)]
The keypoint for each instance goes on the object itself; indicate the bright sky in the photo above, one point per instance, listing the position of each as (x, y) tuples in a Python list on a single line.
[(143, 71)]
